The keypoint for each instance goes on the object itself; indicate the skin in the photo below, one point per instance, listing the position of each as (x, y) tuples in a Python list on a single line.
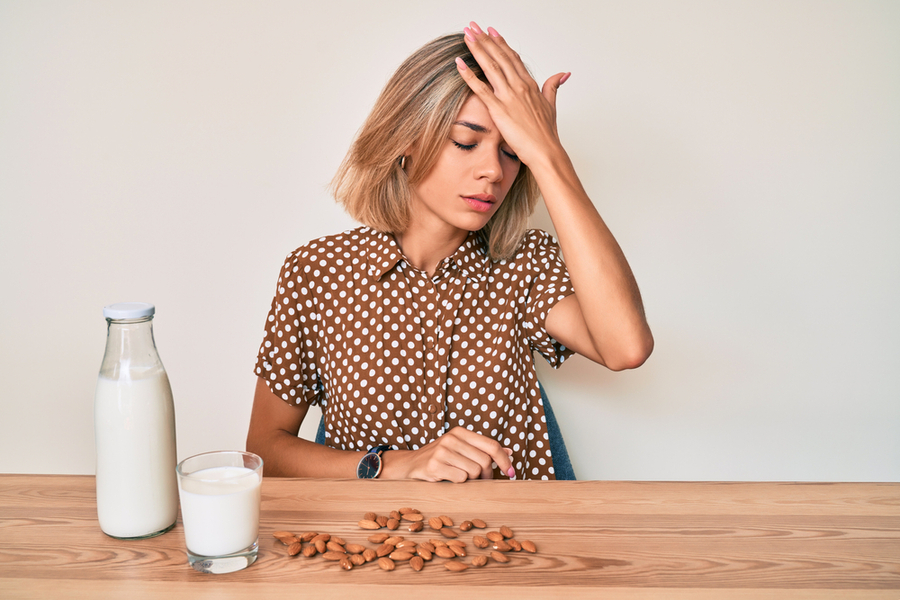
[(508, 121)]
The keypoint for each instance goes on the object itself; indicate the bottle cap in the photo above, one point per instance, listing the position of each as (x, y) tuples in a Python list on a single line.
[(128, 310)]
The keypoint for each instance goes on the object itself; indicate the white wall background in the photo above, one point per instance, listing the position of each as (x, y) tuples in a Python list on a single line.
[(744, 153)]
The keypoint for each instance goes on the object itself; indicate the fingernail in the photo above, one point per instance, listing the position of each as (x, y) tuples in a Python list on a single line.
[(564, 78), (461, 64), (511, 473), (475, 27), (493, 32), (469, 35)]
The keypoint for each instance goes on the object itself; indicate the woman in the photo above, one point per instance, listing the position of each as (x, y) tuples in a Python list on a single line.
[(416, 332)]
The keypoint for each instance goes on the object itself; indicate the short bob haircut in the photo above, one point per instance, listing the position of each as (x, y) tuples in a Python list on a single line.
[(416, 109)]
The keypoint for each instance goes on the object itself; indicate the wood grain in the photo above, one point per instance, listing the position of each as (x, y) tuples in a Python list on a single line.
[(621, 539)]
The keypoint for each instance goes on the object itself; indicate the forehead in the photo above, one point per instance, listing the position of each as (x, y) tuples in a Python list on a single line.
[(475, 112)]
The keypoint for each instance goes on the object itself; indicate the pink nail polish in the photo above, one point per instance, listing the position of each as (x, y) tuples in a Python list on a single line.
[(469, 35), (475, 27), (564, 78), (493, 32), (511, 473), (461, 64)]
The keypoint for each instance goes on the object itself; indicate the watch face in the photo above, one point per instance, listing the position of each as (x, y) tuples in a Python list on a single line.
[(369, 466)]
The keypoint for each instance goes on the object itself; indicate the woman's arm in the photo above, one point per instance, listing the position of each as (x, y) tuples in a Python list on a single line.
[(457, 455), (273, 436), (604, 320)]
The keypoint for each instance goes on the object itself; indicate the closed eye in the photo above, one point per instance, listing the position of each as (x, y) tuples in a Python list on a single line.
[(467, 147)]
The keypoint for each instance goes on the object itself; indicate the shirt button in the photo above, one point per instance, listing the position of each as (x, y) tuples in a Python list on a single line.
[(432, 408)]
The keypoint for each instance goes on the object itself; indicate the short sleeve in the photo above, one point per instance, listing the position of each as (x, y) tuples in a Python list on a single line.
[(287, 355), (550, 284)]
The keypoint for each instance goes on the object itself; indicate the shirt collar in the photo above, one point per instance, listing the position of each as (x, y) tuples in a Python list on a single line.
[(383, 254)]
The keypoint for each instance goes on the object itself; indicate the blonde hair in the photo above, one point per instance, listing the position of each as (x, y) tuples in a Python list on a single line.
[(416, 109)]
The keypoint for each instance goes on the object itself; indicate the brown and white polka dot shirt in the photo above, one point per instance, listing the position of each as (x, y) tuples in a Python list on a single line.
[(397, 357)]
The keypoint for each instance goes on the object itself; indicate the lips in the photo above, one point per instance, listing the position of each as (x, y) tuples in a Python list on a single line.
[(480, 202)]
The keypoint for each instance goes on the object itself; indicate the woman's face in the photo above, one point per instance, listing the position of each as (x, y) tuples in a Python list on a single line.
[(471, 177)]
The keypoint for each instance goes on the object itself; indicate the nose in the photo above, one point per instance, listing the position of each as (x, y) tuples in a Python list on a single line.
[(489, 166)]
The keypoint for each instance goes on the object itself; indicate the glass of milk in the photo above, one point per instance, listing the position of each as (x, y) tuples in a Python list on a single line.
[(220, 494)]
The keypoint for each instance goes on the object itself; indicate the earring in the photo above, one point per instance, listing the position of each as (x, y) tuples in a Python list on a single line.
[(403, 162)]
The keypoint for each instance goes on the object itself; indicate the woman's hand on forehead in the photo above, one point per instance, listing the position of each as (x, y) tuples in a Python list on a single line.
[(524, 113)]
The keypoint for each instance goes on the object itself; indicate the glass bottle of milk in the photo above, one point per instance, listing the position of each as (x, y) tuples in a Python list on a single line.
[(134, 427)]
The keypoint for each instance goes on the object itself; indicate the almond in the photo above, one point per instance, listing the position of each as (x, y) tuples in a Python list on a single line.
[(381, 520), (335, 547), (514, 544), (479, 523), (354, 548), (309, 550), (502, 546), (448, 522), (437, 543), (346, 563), (308, 536), (395, 515), (294, 549), (481, 541), (455, 565), (435, 523), (394, 540), (448, 533), (393, 524), (427, 546), (400, 555), (506, 531), (495, 536), (334, 555), (407, 511), (384, 549), (529, 546), (465, 526), (480, 560), (370, 516), (415, 526), (456, 543), (322, 536), (320, 546), (499, 557), (405, 544), (422, 552), (458, 550), (367, 524), (444, 552), (378, 538), (287, 541), (283, 535), (357, 560), (369, 555), (417, 563), (339, 540), (413, 517), (385, 563)]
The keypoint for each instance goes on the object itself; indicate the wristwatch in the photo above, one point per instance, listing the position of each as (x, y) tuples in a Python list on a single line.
[(369, 466)]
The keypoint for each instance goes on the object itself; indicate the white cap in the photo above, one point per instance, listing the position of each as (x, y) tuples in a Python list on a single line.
[(128, 310)]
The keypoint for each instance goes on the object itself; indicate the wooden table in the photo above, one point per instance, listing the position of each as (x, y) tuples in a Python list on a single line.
[(595, 539)]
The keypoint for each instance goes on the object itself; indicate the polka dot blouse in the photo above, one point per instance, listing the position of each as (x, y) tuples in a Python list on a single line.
[(396, 357)]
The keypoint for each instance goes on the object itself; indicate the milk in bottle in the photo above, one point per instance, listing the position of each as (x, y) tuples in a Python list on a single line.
[(134, 427)]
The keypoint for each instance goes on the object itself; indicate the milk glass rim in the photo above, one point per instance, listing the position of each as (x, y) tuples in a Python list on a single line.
[(193, 475)]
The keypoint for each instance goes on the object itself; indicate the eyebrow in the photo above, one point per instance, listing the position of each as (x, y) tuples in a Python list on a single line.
[(473, 126)]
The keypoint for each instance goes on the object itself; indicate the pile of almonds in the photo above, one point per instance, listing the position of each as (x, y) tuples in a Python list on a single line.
[(391, 549)]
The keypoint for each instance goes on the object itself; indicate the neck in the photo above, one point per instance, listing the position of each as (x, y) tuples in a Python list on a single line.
[(425, 250)]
